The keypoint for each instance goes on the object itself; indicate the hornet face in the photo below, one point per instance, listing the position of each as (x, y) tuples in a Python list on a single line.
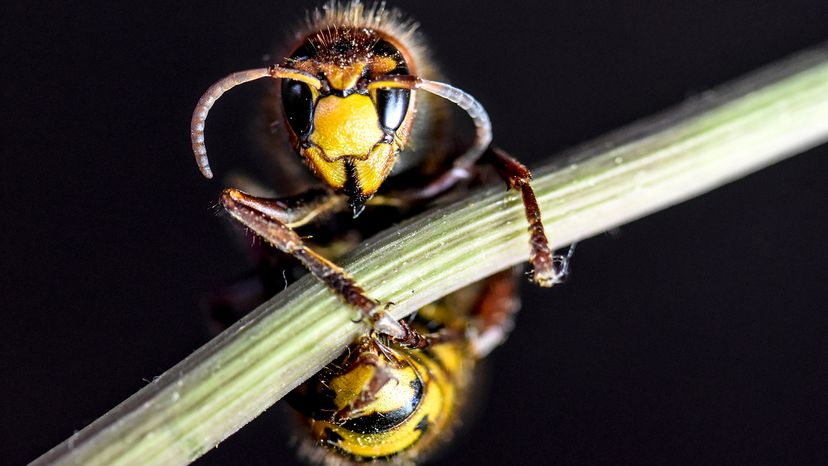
[(348, 133)]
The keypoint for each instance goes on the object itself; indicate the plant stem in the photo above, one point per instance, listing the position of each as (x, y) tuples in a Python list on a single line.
[(704, 143)]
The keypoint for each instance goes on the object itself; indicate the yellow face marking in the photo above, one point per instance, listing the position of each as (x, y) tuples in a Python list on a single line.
[(343, 77), (346, 126), (333, 172), (372, 171)]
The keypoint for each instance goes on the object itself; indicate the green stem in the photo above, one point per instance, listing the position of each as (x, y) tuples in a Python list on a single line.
[(649, 166)]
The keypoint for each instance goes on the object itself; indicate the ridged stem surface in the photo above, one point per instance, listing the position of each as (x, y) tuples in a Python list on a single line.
[(704, 143)]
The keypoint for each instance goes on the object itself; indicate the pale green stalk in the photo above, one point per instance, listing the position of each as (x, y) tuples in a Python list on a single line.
[(704, 143)]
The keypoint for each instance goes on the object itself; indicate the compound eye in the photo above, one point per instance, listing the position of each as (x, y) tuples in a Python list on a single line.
[(297, 101), (392, 105)]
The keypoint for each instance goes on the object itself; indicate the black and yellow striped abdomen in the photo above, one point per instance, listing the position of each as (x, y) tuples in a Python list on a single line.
[(410, 414)]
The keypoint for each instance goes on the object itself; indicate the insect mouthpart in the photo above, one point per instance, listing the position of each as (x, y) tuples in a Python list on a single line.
[(356, 199)]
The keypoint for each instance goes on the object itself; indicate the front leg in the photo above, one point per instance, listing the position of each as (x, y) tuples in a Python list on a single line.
[(268, 218), (263, 217), (518, 177)]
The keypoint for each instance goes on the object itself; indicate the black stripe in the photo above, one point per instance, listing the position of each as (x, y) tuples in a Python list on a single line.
[(353, 188)]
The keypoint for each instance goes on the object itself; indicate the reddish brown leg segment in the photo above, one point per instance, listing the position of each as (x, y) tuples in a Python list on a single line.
[(494, 312), (414, 339), (260, 216), (265, 217), (369, 391), (518, 177)]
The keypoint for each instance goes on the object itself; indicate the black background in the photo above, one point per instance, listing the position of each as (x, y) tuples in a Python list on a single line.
[(696, 335)]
